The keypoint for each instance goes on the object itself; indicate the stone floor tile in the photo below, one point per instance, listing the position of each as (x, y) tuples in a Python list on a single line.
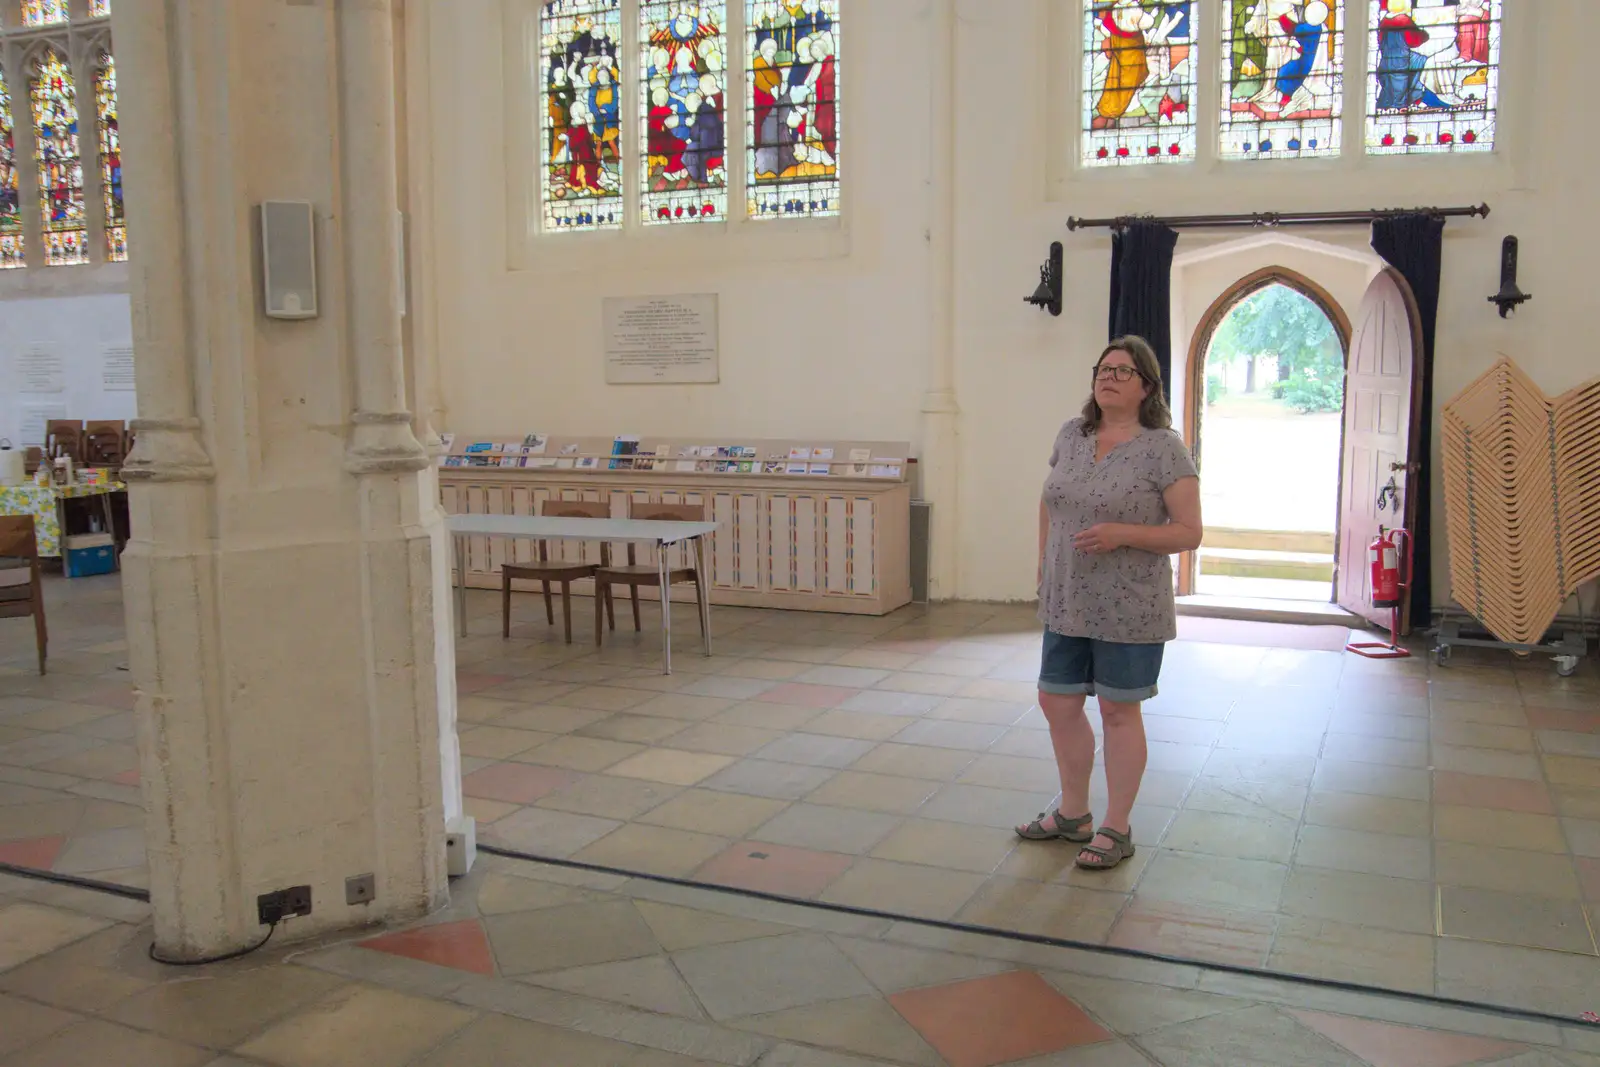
[(916, 761), (1214, 933), (97, 1042), (1192, 878), (983, 1022), (575, 753), (773, 974), (1355, 850), (635, 729), (1260, 838), (1370, 814), (764, 778), (576, 935), (671, 766), (1506, 870), (864, 1025), (358, 1027), (1387, 1045), (948, 845), (884, 793), (653, 849), (516, 783), (1375, 900), (816, 750), (30, 930), (923, 892), (1061, 911), (1554, 982), (724, 738), (611, 797), (1514, 919), (650, 983), (547, 833), (24, 1022), (797, 873), (1244, 1037), (1345, 952), (463, 945), (894, 968), (723, 814), (677, 927), (815, 826), (225, 1009)]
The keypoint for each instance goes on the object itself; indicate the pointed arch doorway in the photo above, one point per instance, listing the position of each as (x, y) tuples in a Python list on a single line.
[(1302, 427)]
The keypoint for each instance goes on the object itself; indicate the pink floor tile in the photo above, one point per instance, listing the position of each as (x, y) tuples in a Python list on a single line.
[(462, 945)]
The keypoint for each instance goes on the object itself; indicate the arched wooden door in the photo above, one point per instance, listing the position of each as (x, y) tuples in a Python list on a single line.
[(1378, 450)]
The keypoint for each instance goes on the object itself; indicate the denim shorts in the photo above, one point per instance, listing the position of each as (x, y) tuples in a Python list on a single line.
[(1076, 666)]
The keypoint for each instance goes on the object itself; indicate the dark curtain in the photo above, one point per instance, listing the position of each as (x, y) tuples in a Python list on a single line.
[(1141, 290), (1414, 246)]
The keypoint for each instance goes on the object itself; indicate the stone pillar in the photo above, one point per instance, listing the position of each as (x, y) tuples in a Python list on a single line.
[(940, 459), (283, 578)]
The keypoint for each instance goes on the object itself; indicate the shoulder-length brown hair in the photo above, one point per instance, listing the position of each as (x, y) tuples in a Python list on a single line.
[(1153, 411)]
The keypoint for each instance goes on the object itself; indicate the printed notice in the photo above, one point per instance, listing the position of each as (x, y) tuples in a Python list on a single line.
[(116, 368), (39, 369), (661, 340), (36, 419)]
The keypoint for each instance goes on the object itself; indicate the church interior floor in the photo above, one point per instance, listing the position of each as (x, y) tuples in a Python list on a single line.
[(1393, 824)]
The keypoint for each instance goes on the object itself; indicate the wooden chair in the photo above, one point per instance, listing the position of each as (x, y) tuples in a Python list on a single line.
[(19, 549), (63, 437), (547, 570), (104, 443), (635, 575)]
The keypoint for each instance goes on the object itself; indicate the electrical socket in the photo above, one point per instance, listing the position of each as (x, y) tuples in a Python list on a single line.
[(283, 904), (360, 889)]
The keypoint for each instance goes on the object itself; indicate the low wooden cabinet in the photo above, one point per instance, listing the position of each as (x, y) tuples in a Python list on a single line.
[(804, 542)]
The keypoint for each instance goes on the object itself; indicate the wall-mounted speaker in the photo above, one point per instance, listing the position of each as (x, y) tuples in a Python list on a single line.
[(289, 259)]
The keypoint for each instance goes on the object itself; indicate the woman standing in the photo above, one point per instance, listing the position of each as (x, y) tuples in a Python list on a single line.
[(1121, 497)]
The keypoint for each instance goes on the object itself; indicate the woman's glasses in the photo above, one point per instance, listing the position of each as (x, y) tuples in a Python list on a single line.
[(1117, 373)]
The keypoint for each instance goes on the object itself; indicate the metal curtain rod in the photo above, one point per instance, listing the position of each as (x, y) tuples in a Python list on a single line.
[(1279, 218)]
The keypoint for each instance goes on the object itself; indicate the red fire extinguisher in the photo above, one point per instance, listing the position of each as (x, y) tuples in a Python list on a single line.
[(1383, 554), (1389, 582)]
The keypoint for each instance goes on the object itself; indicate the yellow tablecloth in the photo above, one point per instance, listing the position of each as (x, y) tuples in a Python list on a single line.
[(41, 501)]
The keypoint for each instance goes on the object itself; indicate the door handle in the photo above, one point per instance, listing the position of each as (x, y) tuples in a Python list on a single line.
[(1409, 468)]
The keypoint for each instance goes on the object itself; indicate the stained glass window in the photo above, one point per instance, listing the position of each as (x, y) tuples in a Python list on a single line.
[(11, 247), (55, 132), (43, 12), (99, 9), (582, 140), (1282, 78), (1139, 76), (683, 105), (792, 121), (1434, 76), (105, 104)]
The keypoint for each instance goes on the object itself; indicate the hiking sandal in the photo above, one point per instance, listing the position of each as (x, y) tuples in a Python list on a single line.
[(1107, 858), (1052, 826)]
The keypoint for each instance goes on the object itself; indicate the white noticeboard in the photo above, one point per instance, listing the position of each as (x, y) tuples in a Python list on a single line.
[(661, 340)]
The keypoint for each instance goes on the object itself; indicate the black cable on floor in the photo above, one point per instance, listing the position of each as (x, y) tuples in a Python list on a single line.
[(1523, 1014), (126, 891), (272, 929)]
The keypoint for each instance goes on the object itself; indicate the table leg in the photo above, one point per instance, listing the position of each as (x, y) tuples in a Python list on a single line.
[(703, 590), (461, 584), (111, 528), (666, 608)]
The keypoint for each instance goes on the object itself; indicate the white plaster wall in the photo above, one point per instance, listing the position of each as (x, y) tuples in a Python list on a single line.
[(837, 342), (824, 327)]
